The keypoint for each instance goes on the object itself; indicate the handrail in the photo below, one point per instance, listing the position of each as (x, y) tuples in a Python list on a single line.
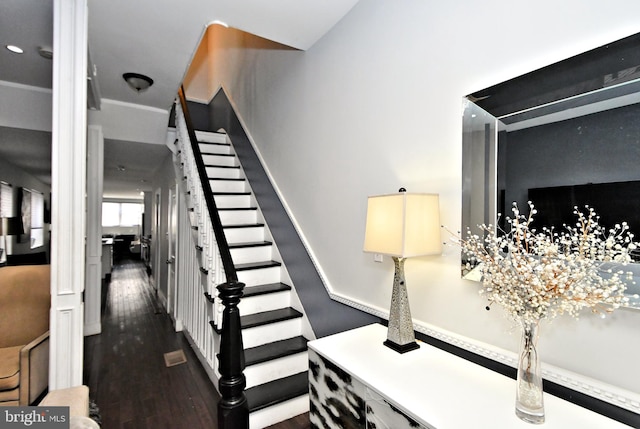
[(225, 253), (233, 410)]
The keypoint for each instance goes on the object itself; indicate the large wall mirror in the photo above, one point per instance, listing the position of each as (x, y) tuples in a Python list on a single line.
[(562, 136)]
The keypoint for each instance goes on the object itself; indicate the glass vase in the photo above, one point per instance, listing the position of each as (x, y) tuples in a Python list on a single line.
[(529, 401)]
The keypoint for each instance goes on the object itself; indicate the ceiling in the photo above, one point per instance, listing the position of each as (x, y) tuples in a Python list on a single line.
[(153, 37)]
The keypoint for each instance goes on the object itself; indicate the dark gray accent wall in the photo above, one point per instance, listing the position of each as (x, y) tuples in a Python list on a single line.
[(325, 315), (598, 148)]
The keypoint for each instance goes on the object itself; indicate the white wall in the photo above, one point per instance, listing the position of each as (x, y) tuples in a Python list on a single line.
[(376, 105)]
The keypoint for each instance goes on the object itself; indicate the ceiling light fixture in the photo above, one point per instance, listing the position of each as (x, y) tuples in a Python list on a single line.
[(15, 49), (137, 82)]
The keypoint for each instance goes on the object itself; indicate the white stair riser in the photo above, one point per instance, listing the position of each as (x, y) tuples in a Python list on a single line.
[(229, 173), (259, 276), (244, 235), (208, 136), (271, 332), (251, 254), (228, 185), (219, 160), (221, 149), (266, 302), (277, 413), (232, 201), (238, 217), (275, 369)]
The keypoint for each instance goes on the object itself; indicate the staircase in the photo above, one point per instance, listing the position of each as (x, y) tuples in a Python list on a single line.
[(272, 329)]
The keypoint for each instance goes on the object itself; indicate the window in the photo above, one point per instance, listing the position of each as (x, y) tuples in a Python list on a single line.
[(6, 210), (6, 200), (37, 219), (122, 214)]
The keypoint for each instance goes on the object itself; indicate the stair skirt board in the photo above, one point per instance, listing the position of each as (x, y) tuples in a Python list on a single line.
[(278, 413), (272, 370), (277, 359)]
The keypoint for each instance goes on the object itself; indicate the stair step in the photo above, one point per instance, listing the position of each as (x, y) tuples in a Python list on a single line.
[(236, 179), (228, 172), (257, 265), (220, 159), (236, 167), (272, 393), (238, 215), (244, 225), (228, 185), (211, 137), (267, 317), (213, 144), (264, 289), (249, 244), (275, 350), (223, 194)]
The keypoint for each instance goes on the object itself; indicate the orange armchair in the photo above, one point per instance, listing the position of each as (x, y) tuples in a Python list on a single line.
[(25, 300)]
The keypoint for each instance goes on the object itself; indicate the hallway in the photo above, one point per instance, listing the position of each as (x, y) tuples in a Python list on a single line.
[(124, 366), (125, 370)]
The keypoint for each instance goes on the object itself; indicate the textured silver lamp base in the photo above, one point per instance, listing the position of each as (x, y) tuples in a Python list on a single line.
[(400, 335)]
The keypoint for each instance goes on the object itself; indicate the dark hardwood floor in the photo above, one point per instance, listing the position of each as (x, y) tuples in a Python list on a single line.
[(125, 370)]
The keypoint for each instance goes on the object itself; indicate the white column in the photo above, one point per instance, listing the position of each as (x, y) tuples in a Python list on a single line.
[(68, 186), (95, 176)]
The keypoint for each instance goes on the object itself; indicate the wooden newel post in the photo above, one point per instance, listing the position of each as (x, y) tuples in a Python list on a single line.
[(233, 411)]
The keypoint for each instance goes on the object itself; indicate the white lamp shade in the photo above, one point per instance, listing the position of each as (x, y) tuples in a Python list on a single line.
[(403, 225)]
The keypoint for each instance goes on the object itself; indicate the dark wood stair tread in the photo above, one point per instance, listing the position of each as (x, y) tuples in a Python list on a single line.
[(228, 179), (277, 391), (230, 193), (257, 265), (275, 350), (250, 291), (222, 166), (222, 209), (243, 225), (212, 144), (217, 154), (246, 244), (266, 317)]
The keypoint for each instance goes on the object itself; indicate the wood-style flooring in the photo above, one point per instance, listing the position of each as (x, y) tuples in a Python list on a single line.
[(125, 370)]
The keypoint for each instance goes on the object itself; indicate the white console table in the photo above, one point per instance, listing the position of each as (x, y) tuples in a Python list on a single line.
[(354, 377)]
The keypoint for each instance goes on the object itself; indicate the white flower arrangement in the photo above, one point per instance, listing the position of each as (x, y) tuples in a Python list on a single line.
[(536, 275)]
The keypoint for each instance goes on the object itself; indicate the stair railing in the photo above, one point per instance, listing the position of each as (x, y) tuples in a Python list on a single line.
[(233, 411)]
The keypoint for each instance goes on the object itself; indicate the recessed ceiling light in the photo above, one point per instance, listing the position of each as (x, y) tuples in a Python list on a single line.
[(14, 49)]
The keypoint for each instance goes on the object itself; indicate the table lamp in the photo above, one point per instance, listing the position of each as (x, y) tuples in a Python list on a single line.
[(402, 225)]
